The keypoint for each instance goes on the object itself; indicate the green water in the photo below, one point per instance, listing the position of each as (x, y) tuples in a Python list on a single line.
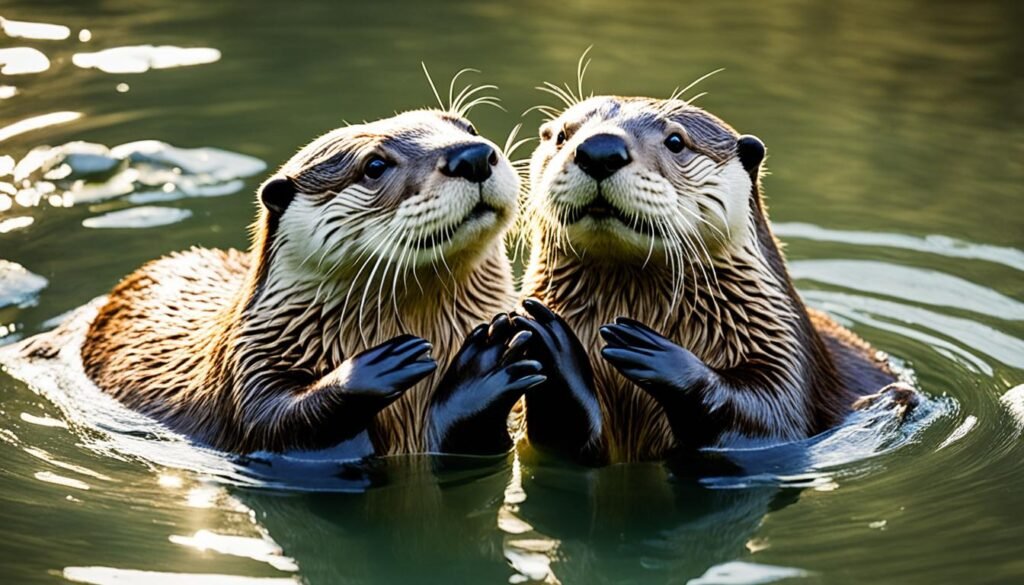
[(896, 149)]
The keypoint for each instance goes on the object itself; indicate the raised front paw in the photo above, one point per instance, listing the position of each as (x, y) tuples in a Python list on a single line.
[(480, 387), (647, 358), (554, 344), (384, 372)]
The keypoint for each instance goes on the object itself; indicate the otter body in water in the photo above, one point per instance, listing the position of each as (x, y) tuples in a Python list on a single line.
[(375, 243), (652, 209)]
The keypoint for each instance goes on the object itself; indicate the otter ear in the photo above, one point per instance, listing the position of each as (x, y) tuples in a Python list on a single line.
[(277, 194), (751, 152)]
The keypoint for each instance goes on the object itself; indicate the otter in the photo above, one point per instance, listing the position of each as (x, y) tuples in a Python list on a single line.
[(374, 245), (662, 309)]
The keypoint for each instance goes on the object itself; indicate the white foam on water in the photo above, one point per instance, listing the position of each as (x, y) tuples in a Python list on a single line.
[(18, 286)]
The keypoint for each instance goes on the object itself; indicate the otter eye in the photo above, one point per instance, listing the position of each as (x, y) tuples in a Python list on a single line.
[(675, 143), (560, 139), (472, 130), (375, 167)]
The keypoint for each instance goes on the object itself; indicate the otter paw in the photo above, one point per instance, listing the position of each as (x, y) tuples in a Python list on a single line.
[(387, 370), (469, 409), (649, 359), (901, 397), (490, 371), (554, 344)]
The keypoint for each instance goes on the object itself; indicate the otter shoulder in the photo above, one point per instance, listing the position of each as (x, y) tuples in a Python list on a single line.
[(862, 368), (154, 315)]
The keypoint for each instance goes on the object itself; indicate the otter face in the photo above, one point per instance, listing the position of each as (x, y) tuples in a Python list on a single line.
[(415, 189), (628, 177)]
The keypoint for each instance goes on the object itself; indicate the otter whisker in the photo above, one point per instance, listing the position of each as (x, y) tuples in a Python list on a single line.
[(563, 94), (512, 145), (440, 102), (465, 94), (680, 92), (696, 97), (451, 85), (548, 111), (704, 221), (581, 72), (482, 101)]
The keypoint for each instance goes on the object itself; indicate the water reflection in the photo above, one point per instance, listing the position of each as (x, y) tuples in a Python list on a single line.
[(626, 521), (141, 59), (22, 61), (34, 30)]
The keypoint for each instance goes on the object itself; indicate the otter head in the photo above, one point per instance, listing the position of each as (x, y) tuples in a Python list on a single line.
[(625, 177), (416, 189)]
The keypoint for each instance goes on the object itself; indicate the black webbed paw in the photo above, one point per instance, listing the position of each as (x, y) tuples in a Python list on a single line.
[(470, 408), (563, 414), (363, 385), (382, 373), (672, 375), (650, 360)]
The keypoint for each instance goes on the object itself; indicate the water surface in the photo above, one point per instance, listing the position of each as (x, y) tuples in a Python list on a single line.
[(895, 134)]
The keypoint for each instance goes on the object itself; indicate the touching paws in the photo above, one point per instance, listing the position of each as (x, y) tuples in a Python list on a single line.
[(563, 415), (490, 373), (555, 345)]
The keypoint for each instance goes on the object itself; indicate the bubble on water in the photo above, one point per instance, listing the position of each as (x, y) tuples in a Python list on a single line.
[(142, 58), (7, 91), (18, 286), (84, 35), (138, 217), (122, 88), (22, 60), (34, 30)]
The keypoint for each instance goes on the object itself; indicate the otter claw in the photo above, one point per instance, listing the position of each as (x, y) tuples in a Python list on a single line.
[(901, 396)]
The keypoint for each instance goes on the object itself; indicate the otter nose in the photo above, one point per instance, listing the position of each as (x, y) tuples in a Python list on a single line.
[(601, 155), (472, 162)]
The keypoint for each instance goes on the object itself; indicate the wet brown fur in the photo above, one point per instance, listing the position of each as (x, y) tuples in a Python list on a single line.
[(214, 343), (798, 371)]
